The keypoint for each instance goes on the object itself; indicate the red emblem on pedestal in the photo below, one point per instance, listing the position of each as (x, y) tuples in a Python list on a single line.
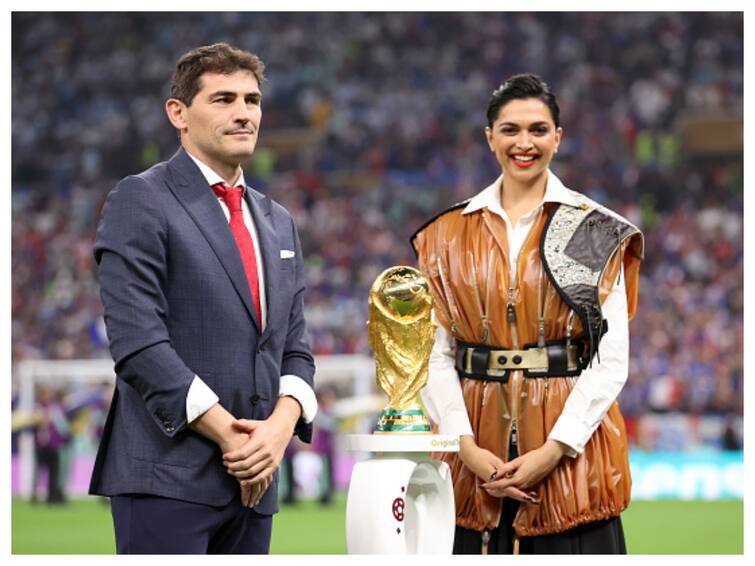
[(398, 509)]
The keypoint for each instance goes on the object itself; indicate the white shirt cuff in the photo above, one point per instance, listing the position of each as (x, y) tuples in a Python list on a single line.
[(199, 399), (296, 387), (455, 422)]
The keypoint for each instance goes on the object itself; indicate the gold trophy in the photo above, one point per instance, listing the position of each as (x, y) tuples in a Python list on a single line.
[(402, 334)]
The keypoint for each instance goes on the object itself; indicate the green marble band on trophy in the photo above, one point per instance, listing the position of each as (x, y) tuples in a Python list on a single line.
[(401, 333)]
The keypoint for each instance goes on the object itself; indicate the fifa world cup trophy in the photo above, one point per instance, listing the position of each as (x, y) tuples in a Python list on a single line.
[(401, 334)]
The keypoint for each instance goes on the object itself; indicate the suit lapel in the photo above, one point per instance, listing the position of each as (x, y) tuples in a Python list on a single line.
[(259, 206), (190, 188)]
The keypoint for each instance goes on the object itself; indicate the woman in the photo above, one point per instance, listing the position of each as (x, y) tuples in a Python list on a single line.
[(534, 285)]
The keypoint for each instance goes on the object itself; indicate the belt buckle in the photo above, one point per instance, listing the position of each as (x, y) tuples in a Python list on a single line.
[(495, 366), (539, 352), (468, 360), (572, 357)]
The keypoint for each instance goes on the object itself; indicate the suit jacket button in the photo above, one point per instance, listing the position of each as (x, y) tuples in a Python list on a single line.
[(255, 399)]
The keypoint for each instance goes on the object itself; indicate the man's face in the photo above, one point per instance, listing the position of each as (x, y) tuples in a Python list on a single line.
[(524, 138), (222, 123)]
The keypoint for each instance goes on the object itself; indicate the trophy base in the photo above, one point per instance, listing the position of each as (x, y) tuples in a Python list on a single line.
[(409, 421)]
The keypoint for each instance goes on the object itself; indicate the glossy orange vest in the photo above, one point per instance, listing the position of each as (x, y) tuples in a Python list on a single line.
[(466, 259)]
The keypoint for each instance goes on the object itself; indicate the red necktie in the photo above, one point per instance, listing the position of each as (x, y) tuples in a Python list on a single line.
[(232, 198)]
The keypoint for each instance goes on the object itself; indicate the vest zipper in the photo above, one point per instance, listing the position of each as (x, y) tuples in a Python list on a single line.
[(453, 312), (516, 375), (541, 320), (489, 279), (569, 329), (482, 308)]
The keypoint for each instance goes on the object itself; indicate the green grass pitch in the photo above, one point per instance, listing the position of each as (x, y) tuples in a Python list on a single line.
[(651, 527)]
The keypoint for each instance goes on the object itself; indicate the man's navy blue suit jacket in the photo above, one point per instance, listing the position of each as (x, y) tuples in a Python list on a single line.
[(177, 303)]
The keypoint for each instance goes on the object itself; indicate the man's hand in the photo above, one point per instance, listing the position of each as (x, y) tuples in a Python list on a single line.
[(527, 470), (217, 424), (234, 440), (252, 493), (254, 462), (485, 465)]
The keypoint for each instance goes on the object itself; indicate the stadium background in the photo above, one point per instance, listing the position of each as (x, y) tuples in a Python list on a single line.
[(372, 123)]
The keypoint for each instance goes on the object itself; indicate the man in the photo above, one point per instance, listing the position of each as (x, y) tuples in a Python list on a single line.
[(50, 438), (202, 282)]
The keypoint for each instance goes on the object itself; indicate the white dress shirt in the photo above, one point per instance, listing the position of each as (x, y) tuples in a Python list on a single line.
[(200, 397), (596, 388)]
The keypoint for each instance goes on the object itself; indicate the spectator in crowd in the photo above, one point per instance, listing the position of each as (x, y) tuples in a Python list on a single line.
[(50, 436), (323, 441), (288, 491)]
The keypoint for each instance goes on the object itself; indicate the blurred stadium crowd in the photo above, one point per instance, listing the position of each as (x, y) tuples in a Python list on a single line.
[(371, 124)]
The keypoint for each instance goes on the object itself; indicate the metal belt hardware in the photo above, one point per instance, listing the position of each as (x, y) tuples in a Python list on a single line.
[(555, 359)]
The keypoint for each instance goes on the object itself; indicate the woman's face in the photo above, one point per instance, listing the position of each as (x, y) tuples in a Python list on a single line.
[(524, 139)]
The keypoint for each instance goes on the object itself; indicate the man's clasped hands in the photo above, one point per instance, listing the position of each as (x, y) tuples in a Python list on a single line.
[(253, 450)]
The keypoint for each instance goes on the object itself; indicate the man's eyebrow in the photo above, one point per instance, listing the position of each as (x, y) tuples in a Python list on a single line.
[(224, 93)]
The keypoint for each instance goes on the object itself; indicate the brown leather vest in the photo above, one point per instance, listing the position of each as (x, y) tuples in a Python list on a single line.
[(466, 258)]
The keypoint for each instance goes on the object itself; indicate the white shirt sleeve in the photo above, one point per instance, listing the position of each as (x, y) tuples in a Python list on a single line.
[(296, 387), (598, 386), (199, 399), (442, 395)]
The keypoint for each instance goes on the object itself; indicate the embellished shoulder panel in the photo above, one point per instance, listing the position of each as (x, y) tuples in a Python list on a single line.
[(576, 245), (577, 242)]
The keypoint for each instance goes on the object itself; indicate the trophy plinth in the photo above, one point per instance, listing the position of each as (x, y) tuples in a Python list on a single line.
[(402, 334)]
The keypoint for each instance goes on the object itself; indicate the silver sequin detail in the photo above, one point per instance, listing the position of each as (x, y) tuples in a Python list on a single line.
[(566, 219), (564, 223)]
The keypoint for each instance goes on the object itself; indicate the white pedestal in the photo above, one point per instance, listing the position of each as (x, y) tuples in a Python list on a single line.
[(400, 501)]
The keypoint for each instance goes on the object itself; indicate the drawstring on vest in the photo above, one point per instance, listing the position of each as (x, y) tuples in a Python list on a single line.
[(593, 349), (621, 263), (589, 333)]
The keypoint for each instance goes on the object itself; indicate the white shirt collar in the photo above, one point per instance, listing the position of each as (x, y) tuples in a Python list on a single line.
[(490, 196), (212, 177)]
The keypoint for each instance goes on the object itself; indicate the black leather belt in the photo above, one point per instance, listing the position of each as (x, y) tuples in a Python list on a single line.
[(493, 363)]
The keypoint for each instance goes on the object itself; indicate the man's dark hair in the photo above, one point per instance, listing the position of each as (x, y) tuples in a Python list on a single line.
[(216, 58), (522, 86)]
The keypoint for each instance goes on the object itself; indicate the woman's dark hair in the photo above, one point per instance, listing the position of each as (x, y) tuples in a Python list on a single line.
[(522, 86)]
